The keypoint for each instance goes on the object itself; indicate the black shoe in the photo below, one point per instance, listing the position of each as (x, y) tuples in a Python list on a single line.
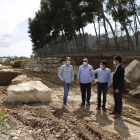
[(88, 102), (98, 107), (113, 113), (82, 104)]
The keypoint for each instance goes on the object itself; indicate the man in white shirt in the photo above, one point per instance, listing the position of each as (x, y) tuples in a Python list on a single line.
[(67, 76)]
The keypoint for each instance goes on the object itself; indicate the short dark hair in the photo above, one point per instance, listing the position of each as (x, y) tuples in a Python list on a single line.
[(117, 57), (104, 62)]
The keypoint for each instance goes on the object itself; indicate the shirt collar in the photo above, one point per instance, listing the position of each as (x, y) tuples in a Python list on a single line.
[(117, 66)]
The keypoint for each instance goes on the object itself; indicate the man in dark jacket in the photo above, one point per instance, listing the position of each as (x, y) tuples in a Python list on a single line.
[(118, 86)]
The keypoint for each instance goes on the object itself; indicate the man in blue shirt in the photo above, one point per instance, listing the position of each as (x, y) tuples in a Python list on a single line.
[(67, 76), (104, 82), (84, 80)]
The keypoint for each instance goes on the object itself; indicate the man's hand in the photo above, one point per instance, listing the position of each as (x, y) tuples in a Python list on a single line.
[(117, 90), (90, 69), (63, 80), (108, 88), (78, 82)]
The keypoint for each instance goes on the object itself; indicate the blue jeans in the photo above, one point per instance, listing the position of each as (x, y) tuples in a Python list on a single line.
[(100, 88), (66, 91)]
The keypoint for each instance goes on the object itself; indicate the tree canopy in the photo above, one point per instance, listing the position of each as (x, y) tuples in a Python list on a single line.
[(62, 20)]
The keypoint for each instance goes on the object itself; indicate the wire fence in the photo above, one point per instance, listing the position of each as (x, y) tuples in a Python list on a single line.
[(117, 42)]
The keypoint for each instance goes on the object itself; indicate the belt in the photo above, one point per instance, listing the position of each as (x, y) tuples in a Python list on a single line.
[(103, 83)]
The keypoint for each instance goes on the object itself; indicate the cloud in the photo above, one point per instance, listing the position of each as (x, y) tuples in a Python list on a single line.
[(14, 14)]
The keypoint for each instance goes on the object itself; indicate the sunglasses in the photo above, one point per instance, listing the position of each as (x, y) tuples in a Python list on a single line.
[(84, 61)]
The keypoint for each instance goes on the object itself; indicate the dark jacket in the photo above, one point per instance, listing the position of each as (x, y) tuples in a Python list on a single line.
[(118, 78)]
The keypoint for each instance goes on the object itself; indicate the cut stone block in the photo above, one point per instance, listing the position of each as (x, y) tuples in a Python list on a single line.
[(33, 91), (20, 79), (132, 71)]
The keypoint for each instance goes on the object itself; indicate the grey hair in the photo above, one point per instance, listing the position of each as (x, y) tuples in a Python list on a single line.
[(68, 58)]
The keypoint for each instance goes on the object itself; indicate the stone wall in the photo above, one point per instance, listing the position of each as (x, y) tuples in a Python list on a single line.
[(48, 64), (52, 64)]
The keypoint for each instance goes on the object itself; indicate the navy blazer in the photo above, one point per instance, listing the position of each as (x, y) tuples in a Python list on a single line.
[(118, 78)]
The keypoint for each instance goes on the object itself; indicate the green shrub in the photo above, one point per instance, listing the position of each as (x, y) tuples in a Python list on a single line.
[(2, 120)]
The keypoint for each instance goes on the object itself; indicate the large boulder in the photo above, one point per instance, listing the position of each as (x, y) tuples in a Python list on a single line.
[(20, 79), (6, 76), (33, 91), (132, 71)]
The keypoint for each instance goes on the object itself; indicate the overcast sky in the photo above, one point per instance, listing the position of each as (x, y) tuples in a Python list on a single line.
[(14, 14)]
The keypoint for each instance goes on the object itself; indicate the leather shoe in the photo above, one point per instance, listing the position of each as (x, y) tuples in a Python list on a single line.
[(117, 116), (97, 107), (82, 104), (104, 109), (113, 113)]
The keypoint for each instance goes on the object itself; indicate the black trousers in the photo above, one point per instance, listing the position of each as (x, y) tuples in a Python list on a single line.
[(84, 88), (118, 102), (100, 88)]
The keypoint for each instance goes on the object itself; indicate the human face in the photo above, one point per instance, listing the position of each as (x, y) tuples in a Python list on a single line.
[(68, 61), (85, 62), (116, 62), (102, 65)]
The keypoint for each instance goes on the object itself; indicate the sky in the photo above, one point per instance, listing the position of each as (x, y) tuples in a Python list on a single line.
[(14, 37)]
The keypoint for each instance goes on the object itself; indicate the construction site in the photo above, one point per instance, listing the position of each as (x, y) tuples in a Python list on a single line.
[(33, 99)]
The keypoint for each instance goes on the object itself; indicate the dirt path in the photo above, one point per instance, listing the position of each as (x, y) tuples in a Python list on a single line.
[(49, 121)]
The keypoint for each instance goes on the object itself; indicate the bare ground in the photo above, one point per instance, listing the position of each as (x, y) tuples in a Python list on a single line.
[(43, 121)]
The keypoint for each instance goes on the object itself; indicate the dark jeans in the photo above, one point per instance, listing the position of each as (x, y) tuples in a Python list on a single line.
[(100, 88), (118, 102), (84, 88), (66, 91)]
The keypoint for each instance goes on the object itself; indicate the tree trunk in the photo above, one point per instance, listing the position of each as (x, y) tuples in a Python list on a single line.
[(115, 38), (80, 33), (99, 35), (83, 32), (106, 35), (95, 30), (128, 36)]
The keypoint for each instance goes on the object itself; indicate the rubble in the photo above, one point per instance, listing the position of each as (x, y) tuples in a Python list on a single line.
[(135, 91), (33, 91)]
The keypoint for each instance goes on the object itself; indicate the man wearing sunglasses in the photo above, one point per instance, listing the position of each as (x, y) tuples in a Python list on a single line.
[(84, 80)]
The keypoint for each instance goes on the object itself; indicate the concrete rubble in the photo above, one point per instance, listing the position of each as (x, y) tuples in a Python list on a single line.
[(3, 67), (33, 91), (135, 91)]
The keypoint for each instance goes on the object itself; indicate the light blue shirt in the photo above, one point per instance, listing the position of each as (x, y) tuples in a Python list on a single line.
[(103, 76), (66, 73), (84, 74)]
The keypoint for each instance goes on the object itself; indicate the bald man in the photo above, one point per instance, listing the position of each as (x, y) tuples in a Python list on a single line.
[(84, 80)]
